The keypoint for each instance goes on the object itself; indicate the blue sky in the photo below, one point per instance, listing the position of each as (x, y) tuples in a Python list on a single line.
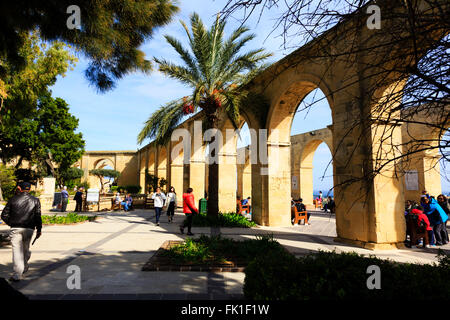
[(112, 121)]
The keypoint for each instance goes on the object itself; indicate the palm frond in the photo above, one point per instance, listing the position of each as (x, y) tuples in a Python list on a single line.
[(179, 73), (162, 122), (185, 55)]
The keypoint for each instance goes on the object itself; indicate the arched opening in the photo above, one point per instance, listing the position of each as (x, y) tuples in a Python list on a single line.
[(285, 102), (311, 144), (103, 163), (244, 166), (445, 163)]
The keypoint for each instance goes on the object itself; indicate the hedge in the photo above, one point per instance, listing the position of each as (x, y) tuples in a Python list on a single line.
[(129, 189), (226, 220), (330, 276)]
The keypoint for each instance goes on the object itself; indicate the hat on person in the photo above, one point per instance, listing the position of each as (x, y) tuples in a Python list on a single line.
[(24, 185)]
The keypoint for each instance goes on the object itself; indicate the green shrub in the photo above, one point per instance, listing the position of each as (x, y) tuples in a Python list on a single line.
[(328, 275), (85, 185), (67, 219), (226, 220), (7, 181), (114, 189), (129, 189)]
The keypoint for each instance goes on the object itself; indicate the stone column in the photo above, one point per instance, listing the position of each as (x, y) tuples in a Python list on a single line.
[(369, 196), (306, 184), (278, 183), (142, 165), (176, 171), (161, 162), (197, 167)]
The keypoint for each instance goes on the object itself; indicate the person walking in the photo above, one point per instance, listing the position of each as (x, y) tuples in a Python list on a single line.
[(64, 199), (172, 202), (189, 210), (79, 200), (159, 198), (23, 214)]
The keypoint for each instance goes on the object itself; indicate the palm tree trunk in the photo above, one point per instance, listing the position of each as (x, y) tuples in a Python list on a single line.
[(213, 172)]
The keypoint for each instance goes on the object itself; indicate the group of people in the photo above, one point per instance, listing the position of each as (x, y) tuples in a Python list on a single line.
[(300, 207), (432, 215), (126, 203)]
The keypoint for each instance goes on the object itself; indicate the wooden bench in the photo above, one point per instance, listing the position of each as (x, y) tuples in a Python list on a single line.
[(416, 232), (298, 216), (240, 209), (115, 206)]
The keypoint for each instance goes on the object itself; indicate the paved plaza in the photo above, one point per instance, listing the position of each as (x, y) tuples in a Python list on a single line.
[(112, 250)]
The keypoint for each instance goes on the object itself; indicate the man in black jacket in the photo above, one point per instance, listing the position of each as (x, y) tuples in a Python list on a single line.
[(23, 214)]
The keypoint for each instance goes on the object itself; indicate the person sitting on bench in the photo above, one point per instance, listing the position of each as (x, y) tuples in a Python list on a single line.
[(129, 202), (301, 207)]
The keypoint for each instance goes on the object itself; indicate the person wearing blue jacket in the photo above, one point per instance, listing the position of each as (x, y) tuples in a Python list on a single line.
[(437, 217)]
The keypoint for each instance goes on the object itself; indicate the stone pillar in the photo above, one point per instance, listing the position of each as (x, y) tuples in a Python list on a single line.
[(306, 184), (176, 170), (142, 165), (278, 183), (369, 208), (227, 182), (161, 162), (197, 167)]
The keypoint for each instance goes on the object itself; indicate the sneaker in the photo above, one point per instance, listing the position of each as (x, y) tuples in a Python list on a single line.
[(12, 279), (157, 223), (181, 230)]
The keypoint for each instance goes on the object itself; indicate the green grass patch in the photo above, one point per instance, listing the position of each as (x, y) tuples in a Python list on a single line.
[(278, 275), (66, 219), (217, 250), (226, 220)]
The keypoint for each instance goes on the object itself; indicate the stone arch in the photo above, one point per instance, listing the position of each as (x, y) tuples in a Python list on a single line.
[(293, 87), (306, 169), (103, 162), (286, 102)]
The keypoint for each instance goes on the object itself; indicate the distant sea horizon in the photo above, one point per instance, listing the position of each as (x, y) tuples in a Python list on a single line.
[(331, 193)]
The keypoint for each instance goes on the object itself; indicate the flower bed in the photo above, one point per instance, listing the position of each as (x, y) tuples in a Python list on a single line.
[(210, 254), (70, 218)]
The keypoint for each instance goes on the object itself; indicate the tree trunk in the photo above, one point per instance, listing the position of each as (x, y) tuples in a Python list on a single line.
[(213, 173)]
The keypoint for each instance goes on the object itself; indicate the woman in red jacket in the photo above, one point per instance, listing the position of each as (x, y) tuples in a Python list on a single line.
[(189, 210)]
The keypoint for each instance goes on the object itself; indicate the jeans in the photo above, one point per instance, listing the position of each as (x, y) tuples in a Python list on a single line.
[(125, 205), (64, 204), (171, 209), (431, 237), (188, 222), (439, 234), (158, 213), (20, 242)]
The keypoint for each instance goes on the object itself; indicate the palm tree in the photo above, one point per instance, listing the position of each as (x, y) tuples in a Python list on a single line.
[(217, 72)]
